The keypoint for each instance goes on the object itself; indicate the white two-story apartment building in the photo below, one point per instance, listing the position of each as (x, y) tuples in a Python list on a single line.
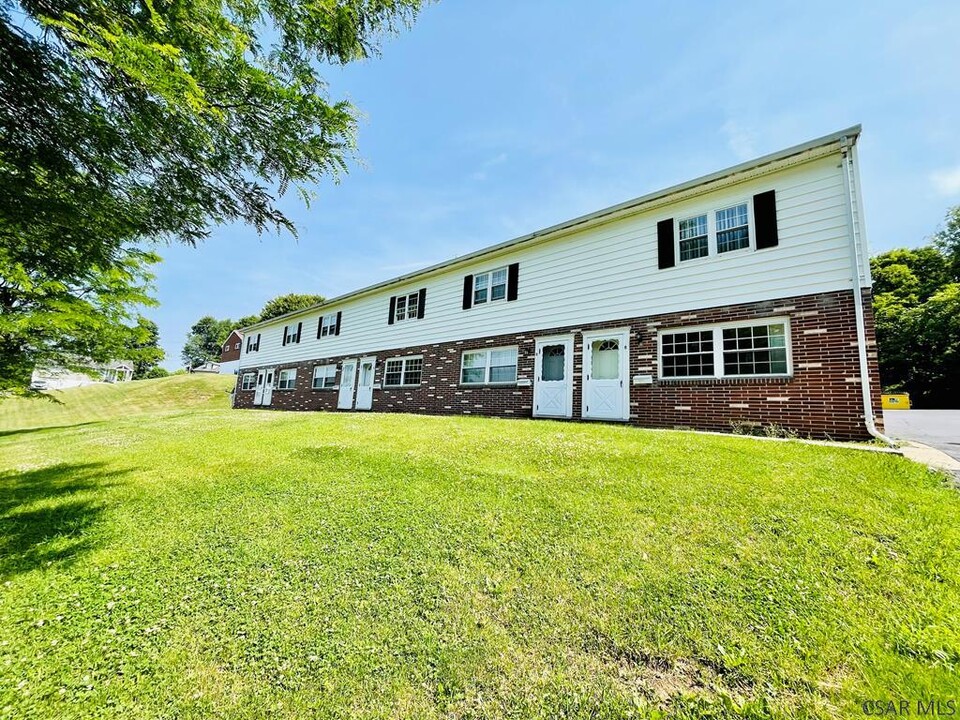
[(740, 298)]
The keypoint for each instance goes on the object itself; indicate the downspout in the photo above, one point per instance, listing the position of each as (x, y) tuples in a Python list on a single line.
[(857, 253)]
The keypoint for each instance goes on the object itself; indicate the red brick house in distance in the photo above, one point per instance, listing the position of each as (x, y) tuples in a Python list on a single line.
[(739, 298), (230, 355)]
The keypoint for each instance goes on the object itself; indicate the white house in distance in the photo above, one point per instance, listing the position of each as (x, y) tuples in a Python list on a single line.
[(58, 378), (738, 298)]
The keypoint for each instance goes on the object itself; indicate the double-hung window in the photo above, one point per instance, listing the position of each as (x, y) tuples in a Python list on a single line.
[(488, 366), (291, 333), (407, 307), (324, 377), (715, 232), (328, 325), (757, 348), (248, 381), (403, 371), (490, 286), (287, 379)]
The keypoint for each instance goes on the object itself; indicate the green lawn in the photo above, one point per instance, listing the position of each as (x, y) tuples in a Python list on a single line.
[(217, 563)]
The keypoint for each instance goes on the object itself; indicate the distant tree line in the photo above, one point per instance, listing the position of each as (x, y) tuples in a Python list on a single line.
[(916, 304), (207, 335)]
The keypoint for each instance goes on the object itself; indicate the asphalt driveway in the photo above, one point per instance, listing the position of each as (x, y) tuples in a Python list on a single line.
[(937, 428)]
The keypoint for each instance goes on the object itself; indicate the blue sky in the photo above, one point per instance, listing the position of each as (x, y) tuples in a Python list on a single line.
[(489, 120)]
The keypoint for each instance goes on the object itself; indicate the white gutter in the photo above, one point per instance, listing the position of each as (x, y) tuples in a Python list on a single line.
[(860, 260)]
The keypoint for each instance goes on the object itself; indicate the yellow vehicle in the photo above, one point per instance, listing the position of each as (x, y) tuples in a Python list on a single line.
[(895, 401)]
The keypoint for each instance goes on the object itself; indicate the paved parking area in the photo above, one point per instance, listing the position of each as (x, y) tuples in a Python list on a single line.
[(937, 428)]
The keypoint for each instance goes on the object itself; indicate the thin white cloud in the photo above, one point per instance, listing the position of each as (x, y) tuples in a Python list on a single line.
[(739, 139), (946, 182)]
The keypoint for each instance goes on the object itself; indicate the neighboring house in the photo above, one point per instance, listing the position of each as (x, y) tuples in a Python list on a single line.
[(58, 378), (208, 366), (736, 299), (230, 356)]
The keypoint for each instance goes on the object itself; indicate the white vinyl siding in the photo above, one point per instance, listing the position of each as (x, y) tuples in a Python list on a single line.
[(287, 379), (403, 371), (611, 270), (489, 366), (324, 377), (755, 348)]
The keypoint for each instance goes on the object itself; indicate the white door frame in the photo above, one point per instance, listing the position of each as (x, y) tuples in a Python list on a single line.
[(567, 342), (345, 402), (270, 378), (623, 334), (258, 388), (365, 392)]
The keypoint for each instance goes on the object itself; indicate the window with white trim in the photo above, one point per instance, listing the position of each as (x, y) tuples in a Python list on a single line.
[(324, 377), (490, 286), (328, 326), (403, 371), (714, 233), (287, 379), (248, 381), (291, 333), (745, 349), (237, 346), (488, 366), (407, 306)]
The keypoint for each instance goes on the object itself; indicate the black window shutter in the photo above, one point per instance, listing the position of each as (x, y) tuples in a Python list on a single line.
[(284, 334), (337, 330), (299, 330), (665, 255), (393, 309), (513, 280), (319, 326), (468, 292), (765, 216), (422, 303), (258, 342)]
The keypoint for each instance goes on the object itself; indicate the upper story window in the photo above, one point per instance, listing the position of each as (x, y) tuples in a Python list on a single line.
[(226, 347), (750, 349), (733, 228), (253, 343), (714, 233), (287, 379), (403, 371), (291, 333), (490, 286), (328, 325), (409, 306), (488, 366), (237, 346), (694, 238)]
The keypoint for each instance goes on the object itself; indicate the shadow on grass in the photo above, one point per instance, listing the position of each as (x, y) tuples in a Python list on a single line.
[(24, 431), (46, 515)]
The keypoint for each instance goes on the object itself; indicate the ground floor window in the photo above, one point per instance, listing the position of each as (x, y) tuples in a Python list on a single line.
[(248, 381), (403, 371), (488, 366), (324, 376), (757, 348), (287, 379)]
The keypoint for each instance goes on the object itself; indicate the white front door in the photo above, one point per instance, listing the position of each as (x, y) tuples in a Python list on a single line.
[(365, 384), (258, 391), (348, 378), (268, 387), (553, 379), (605, 370)]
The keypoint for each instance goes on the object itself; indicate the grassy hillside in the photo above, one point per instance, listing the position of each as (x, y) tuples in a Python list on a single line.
[(93, 403), (248, 564)]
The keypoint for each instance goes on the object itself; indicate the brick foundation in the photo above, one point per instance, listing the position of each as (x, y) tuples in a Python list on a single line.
[(822, 399)]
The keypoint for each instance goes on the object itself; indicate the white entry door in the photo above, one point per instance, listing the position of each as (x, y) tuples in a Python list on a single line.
[(348, 378), (258, 391), (267, 394), (365, 384), (605, 370), (553, 380)]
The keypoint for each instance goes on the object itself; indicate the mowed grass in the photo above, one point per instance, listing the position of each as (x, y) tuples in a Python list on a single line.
[(240, 564)]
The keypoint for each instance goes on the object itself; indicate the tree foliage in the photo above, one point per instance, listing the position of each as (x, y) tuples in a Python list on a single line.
[(288, 303), (122, 124), (205, 340), (143, 348), (917, 313)]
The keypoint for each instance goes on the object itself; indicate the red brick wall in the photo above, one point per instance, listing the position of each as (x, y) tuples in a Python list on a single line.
[(822, 399)]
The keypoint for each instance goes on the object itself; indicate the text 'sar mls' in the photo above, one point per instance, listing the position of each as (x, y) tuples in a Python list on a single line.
[(911, 708)]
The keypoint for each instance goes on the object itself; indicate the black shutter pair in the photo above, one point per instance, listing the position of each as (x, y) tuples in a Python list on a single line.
[(336, 328), (421, 305), (513, 282), (765, 229)]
